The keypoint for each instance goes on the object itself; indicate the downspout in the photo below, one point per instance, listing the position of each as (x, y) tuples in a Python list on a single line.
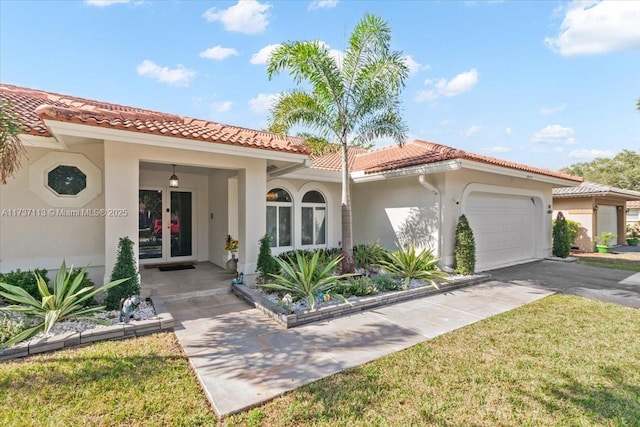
[(423, 181)]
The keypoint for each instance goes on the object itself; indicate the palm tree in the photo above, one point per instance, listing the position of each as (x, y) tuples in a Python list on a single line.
[(11, 149), (351, 101)]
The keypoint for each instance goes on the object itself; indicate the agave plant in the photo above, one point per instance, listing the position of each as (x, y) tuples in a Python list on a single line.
[(66, 301), (408, 264), (305, 278)]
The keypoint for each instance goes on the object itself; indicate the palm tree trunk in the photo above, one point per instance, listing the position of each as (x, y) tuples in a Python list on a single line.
[(348, 265)]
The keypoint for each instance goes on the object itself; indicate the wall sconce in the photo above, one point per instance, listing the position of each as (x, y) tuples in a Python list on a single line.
[(173, 181), (619, 208), (595, 208), (455, 201)]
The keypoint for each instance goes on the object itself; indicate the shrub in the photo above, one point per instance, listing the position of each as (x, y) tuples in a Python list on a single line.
[(304, 278), (358, 286), (9, 328), (125, 268), (574, 229), (25, 280), (407, 264), (368, 256), (464, 248), (267, 264), (66, 301), (385, 283), (561, 238)]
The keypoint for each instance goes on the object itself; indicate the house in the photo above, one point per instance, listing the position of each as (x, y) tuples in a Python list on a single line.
[(97, 171), (597, 208), (633, 211)]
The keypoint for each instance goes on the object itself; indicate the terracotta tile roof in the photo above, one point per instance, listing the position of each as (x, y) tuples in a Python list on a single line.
[(418, 152), (589, 189), (35, 106), (333, 161)]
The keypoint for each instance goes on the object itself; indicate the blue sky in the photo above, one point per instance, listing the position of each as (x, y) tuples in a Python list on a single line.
[(547, 83)]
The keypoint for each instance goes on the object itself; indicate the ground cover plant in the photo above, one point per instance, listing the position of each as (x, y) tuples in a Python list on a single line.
[(563, 360), (142, 381)]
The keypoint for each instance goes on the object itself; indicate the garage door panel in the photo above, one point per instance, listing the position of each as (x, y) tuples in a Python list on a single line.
[(607, 219), (503, 227)]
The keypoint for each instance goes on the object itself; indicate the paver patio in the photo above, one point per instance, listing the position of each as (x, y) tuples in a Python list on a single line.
[(243, 358)]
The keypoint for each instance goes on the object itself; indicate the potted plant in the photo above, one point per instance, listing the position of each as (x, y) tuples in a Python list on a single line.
[(633, 234), (232, 245), (603, 243)]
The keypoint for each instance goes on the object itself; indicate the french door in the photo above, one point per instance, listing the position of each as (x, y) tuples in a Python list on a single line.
[(166, 220)]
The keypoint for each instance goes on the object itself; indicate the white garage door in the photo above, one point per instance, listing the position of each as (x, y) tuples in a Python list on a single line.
[(505, 228), (607, 220)]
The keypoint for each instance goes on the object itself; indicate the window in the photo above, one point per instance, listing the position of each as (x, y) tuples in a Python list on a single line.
[(66, 180), (279, 209), (314, 219)]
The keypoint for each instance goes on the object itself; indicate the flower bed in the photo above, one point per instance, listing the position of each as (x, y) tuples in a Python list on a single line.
[(300, 315)]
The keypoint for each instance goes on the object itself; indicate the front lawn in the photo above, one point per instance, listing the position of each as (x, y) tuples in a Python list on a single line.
[(564, 360)]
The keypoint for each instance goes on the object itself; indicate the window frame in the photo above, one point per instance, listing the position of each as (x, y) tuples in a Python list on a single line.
[(277, 205), (314, 206)]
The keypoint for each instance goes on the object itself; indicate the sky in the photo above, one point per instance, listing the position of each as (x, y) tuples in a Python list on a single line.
[(545, 83)]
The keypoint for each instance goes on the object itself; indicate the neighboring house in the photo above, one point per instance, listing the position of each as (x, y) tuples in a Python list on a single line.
[(597, 207), (97, 171), (633, 211)]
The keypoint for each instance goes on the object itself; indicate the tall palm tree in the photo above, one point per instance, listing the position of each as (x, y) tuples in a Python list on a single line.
[(351, 101), (11, 149)]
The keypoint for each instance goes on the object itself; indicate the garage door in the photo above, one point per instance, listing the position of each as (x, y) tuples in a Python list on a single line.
[(607, 220), (505, 228)]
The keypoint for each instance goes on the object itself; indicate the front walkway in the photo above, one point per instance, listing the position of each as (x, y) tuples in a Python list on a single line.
[(242, 358)]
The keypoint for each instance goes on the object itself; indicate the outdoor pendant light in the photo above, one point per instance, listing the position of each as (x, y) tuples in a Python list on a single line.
[(173, 181)]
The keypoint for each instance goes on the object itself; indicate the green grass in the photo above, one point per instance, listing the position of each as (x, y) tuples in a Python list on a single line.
[(564, 360), (611, 263), (144, 381)]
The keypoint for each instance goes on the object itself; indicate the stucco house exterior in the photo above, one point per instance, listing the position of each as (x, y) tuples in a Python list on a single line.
[(97, 171), (633, 211), (598, 208)]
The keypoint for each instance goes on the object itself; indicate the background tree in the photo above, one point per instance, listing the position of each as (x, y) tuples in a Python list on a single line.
[(621, 171), (11, 149), (350, 101)]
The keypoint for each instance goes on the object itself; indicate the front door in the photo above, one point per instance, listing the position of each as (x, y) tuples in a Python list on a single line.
[(166, 219)]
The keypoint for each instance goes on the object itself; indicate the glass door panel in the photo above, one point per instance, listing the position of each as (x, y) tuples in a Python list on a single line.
[(181, 224), (150, 223)]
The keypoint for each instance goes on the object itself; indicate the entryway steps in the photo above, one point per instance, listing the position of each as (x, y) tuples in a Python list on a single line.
[(194, 294)]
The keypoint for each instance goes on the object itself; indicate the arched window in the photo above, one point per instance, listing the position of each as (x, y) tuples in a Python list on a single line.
[(314, 219), (279, 209)]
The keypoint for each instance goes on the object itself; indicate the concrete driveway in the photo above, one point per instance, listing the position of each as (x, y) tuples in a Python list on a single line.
[(604, 284)]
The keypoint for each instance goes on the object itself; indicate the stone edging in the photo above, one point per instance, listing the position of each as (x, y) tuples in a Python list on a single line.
[(162, 322), (290, 320)]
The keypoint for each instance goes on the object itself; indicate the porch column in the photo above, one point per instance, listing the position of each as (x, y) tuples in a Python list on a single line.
[(252, 210), (121, 183)]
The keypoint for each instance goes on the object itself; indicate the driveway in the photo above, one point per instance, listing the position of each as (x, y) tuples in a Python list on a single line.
[(604, 284)]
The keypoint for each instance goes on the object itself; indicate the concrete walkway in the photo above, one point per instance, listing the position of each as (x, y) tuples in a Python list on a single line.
[(242, 358)]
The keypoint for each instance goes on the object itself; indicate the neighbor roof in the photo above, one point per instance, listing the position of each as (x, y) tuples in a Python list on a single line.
[(418, 153), (590, 189), (35, 106)]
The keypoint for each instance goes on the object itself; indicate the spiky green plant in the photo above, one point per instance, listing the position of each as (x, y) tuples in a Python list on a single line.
[(66, 301), (408, 264), (305, 278), (368, 256)]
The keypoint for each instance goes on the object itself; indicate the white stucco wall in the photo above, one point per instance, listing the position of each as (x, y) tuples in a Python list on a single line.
[(395, 210), (31, 241)]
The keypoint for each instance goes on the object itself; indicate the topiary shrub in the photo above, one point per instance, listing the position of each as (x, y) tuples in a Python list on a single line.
[(465, 248), (266, 265), (125, 267), (561, 237), (25, 280)]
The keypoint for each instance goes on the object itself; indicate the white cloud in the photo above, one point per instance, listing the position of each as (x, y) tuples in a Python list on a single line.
[(218, 53), (553, 133), (545, 111), (221, 107), (247, 16), (414, 66), (262, 56), (508, 131), (473, 130), (497, 149), (104, 3), (323, 4), (590, 154), (263, 102), (458, 85), (179, 76), (445, 122), (593, 27)]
